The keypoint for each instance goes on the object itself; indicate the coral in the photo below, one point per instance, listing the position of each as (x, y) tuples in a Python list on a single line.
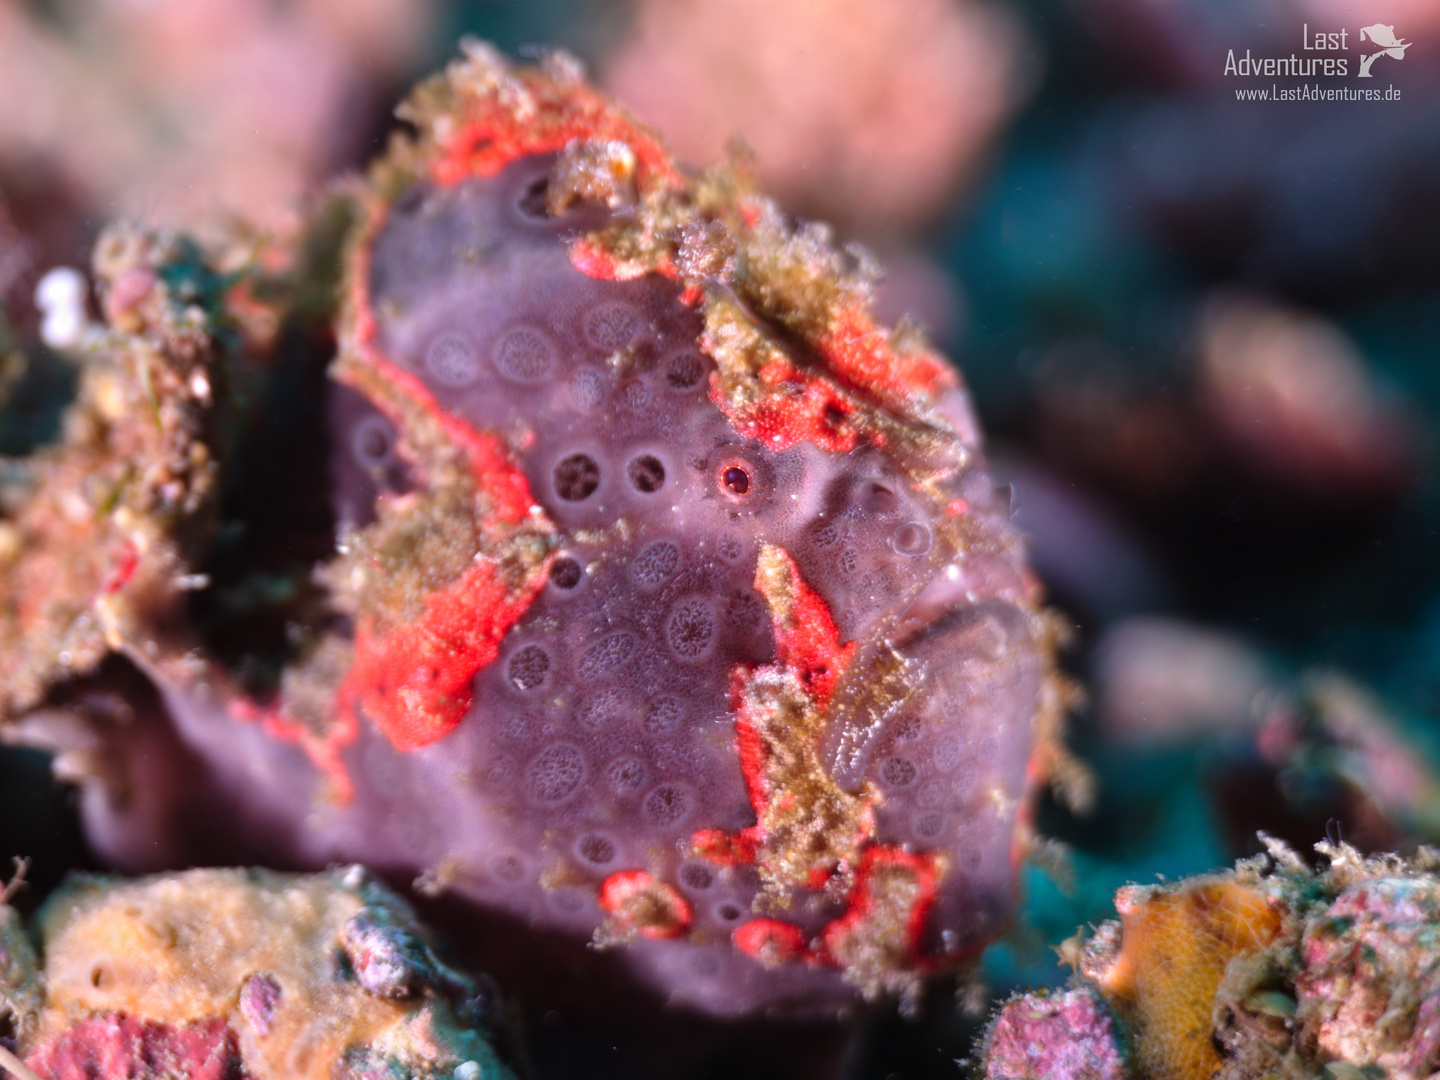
[(1336, 748), (836, 129), (1369, 991), (99, 552), (1272, 970), (232, 973), (1174, 948), (1291, 393), (173, 110), (672, 608), (22, 995)]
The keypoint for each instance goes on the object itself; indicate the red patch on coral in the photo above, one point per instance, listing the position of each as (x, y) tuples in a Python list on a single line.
[(594, 261), (120, 1047), (771, 941), (125, 566), (727, 848), (807, 642), (495, 475), (794, 406), (415, 681), (749, 746), (858, 350), (862, 907), (639, 903), (323, 751), (542, 115)]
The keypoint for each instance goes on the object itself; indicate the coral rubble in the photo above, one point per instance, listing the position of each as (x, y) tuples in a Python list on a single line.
[(239, 973), (672, 607), (1270, 971)]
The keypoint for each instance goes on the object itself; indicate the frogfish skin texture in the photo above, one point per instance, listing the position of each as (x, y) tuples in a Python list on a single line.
[(673, 607)]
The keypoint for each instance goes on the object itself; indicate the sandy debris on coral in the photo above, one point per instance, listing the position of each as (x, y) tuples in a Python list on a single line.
[(238, 973)]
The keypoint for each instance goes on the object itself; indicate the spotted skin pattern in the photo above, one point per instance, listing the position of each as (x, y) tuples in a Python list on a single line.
[(738, 670)]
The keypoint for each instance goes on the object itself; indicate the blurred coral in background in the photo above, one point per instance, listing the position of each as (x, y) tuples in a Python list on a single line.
[(1291, 394), (875, 117), (167, 109), (1200, 332), (868, 115)]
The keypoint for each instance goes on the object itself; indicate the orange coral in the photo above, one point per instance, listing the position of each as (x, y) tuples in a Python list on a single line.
[(1175, 946)]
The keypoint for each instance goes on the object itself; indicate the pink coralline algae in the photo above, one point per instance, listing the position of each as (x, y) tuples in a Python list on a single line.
[(673, 608), (1269, 971), (1064, 1036), (1369, 988), (120, 1045)]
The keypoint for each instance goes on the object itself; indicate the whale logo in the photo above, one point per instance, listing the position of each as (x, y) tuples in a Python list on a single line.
[(1390, 45)]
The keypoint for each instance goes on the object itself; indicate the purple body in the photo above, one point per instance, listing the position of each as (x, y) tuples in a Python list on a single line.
[(603, 736)]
